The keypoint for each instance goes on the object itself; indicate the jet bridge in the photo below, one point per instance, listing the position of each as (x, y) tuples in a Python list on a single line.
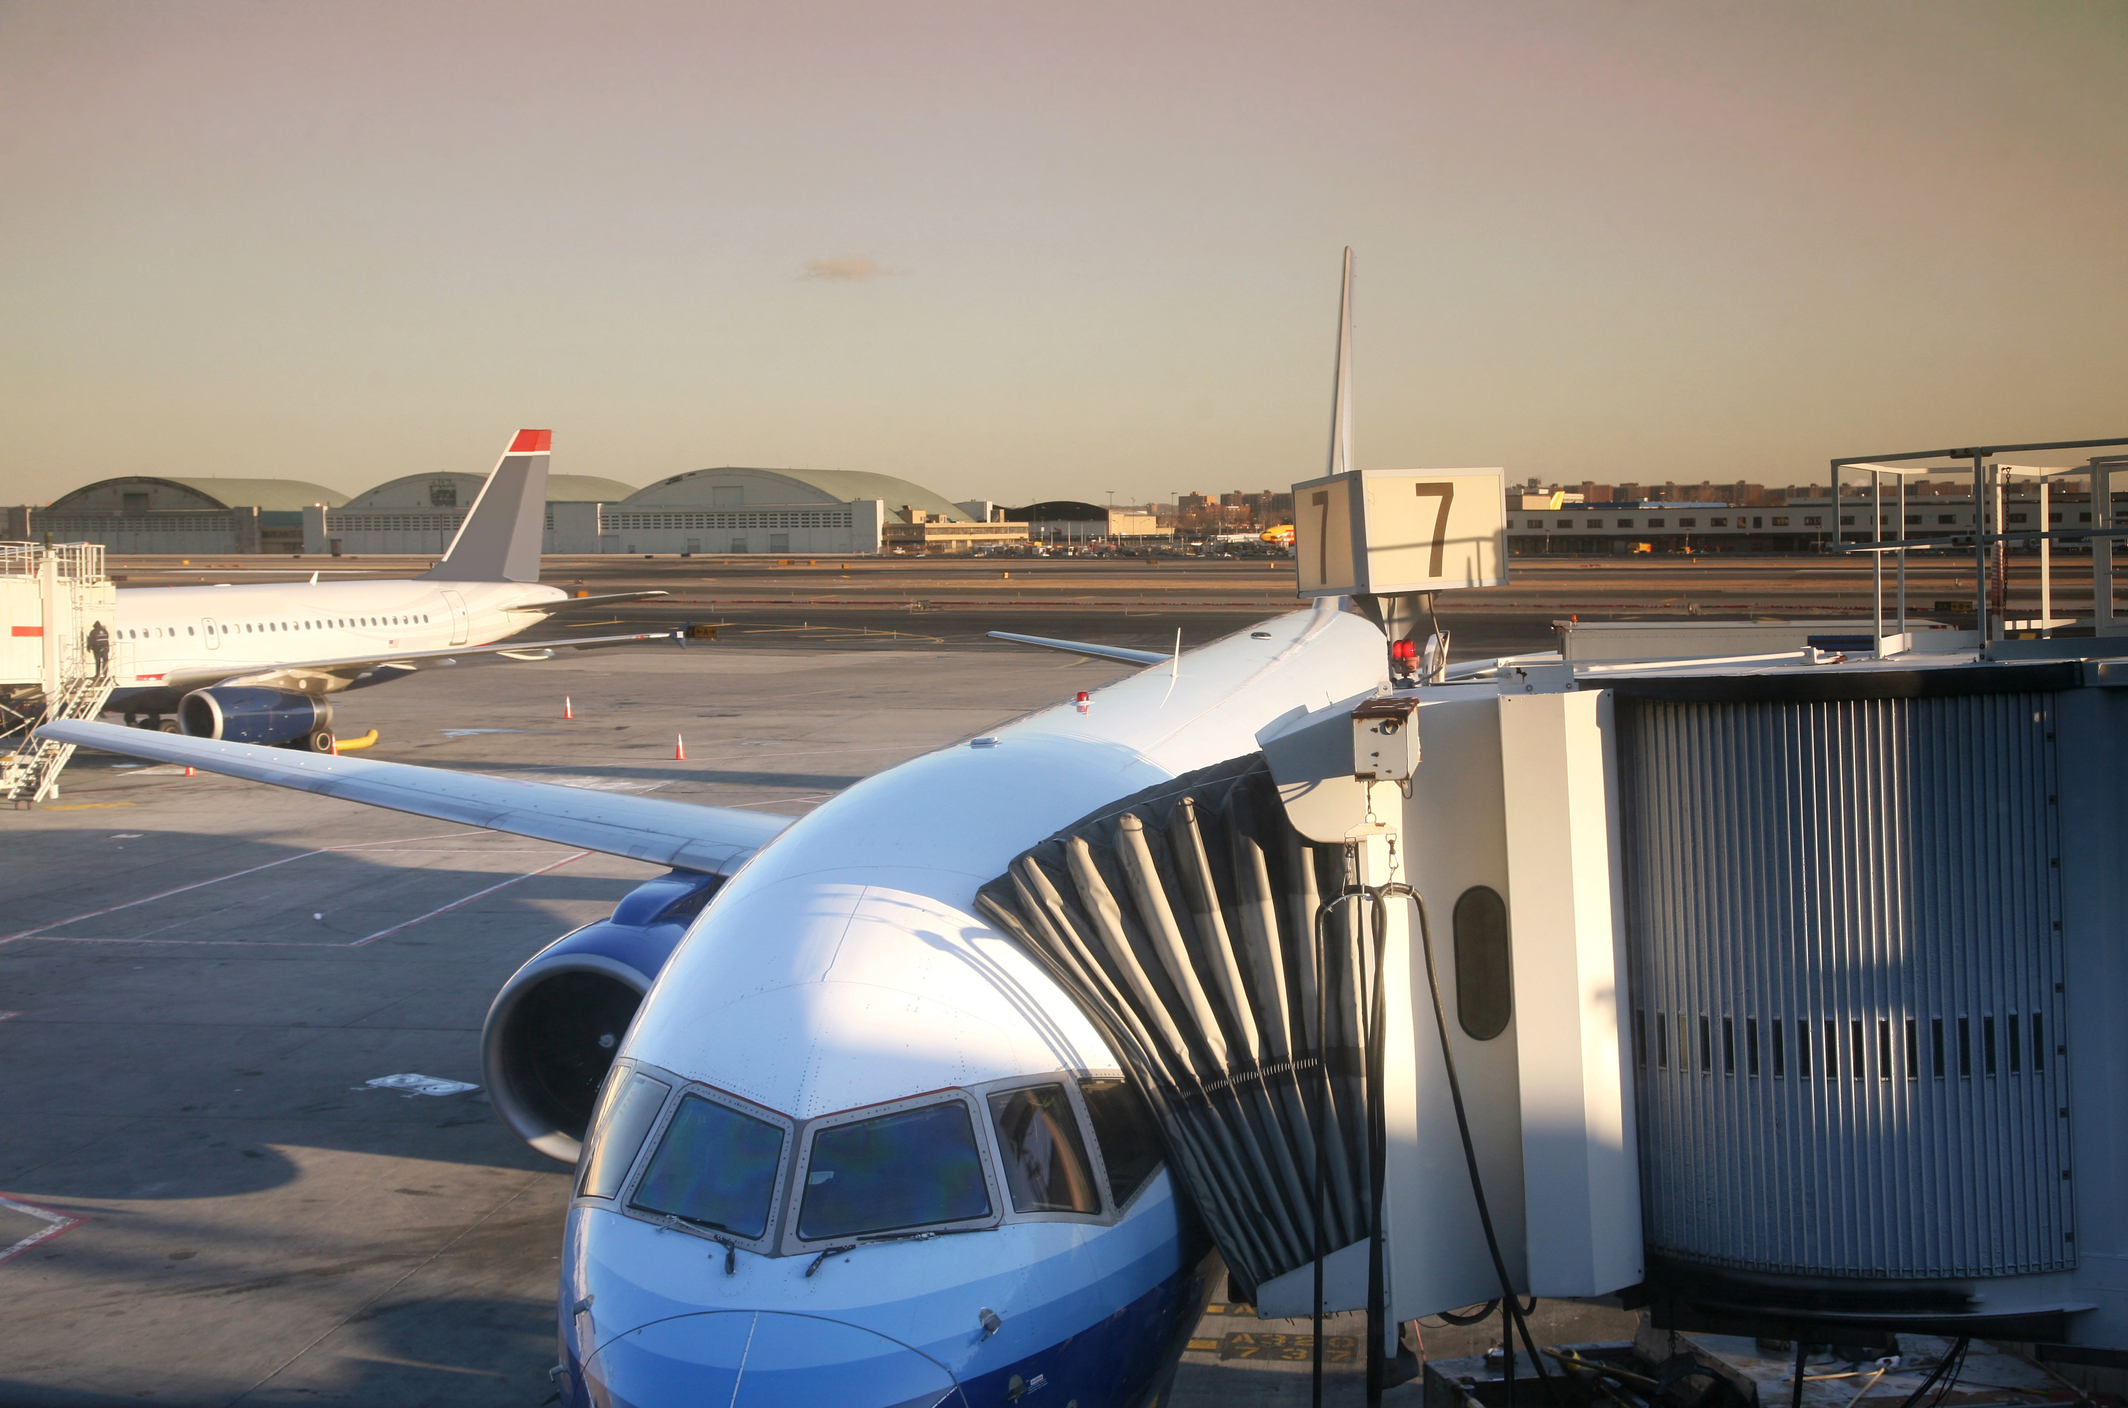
[(1760, 987), (1744, 989), (50, 599)]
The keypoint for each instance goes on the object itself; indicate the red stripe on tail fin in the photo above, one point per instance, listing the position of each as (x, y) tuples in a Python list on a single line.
[(532, 442)]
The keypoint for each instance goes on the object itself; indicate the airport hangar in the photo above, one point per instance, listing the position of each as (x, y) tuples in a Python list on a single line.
[(724, 510)]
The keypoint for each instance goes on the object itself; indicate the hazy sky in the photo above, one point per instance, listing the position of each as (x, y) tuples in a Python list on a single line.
[(1018, 251)]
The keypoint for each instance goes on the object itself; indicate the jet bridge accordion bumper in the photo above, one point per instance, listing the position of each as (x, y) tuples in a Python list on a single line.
[(1180, 921)]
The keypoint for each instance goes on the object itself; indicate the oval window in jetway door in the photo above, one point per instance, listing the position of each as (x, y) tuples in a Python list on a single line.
[(1485, 991)]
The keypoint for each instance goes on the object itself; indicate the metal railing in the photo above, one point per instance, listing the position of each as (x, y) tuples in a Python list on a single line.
[(1988, 540)]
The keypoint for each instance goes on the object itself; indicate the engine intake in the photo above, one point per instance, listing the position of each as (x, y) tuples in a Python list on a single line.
[(239, 714), (554, 1029)]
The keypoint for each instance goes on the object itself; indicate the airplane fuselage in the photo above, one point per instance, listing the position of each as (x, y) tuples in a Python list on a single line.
[(842, 981), (165, 634)]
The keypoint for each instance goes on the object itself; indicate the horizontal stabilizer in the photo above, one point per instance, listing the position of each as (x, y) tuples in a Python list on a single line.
[(717, 840), (500, 538), (549, 608), (1076, 647)]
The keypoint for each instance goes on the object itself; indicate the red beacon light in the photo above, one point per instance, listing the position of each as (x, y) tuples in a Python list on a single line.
[(1403, 650)]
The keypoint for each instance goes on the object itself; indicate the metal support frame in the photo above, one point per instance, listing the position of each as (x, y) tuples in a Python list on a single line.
[(2104, 622), (2102, 618), (2045, 476), (1877, 548)]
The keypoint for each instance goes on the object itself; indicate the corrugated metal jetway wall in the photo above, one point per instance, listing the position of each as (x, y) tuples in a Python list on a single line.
[(1843, 925)]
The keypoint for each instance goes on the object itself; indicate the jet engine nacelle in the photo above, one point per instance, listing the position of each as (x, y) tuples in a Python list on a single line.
[(554, 1029), (242, 714)]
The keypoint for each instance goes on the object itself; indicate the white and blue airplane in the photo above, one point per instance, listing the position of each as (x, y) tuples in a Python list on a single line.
[(839, 1140), (259, 663)]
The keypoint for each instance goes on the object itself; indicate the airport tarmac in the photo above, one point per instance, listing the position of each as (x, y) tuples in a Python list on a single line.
[(208, 1200), (950, 602)]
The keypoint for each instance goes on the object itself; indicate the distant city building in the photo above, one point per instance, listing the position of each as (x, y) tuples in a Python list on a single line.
[(1198, 514)]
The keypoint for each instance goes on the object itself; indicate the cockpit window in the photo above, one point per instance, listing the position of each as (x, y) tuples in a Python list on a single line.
[(1123, 1127), (1045, 1159), (715, 1167), (626, 1111), (916, 1168)]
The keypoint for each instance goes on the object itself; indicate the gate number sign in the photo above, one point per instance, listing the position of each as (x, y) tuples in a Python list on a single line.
[(1392, 532)]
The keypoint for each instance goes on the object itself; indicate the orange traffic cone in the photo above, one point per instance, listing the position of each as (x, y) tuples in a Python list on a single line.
[(567, 711), (679, 749), (190, 773)]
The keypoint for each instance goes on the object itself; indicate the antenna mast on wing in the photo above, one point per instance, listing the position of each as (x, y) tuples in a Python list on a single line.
[(1341, 403)]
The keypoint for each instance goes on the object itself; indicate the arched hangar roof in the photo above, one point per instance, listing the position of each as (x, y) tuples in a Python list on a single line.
[(734, 487), (453, 490), (184, 491)]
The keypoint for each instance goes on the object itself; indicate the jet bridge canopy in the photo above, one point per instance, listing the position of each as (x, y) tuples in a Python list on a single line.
[(1182, 921)]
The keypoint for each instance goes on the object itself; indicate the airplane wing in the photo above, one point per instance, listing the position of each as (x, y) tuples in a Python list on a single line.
[(290, 674), (713, 839), (1105, 652)]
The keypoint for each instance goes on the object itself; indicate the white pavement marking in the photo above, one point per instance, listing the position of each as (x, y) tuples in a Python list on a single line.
[(161, 895), (456, 904), (218, 879), (57, 1222), (39, 935), (779, 801)]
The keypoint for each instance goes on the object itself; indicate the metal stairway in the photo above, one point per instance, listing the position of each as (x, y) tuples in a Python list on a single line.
[(30, 774), (51, 597)]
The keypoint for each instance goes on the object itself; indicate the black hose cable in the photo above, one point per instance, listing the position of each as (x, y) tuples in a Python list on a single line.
[(1315, 1210), (1948, 1368), (1480, 1318), (1511, 1305), (1377, 1154), (1322, 1065)]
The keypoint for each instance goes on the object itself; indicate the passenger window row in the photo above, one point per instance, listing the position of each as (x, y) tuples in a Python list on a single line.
[(912, 1166), (254, 627)]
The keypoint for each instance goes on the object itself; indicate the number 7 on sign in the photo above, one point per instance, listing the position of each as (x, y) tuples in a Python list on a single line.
[(1446, 493)]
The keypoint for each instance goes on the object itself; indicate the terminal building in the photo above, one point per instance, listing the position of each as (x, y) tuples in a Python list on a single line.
[(1801, 525)]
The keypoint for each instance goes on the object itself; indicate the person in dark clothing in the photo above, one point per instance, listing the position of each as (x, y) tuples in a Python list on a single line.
[(100, 647)]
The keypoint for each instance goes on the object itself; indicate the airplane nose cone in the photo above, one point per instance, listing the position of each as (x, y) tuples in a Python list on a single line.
[(763, 1359)]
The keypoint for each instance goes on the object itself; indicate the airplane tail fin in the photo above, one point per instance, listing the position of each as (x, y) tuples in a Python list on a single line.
[(500, 538)]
